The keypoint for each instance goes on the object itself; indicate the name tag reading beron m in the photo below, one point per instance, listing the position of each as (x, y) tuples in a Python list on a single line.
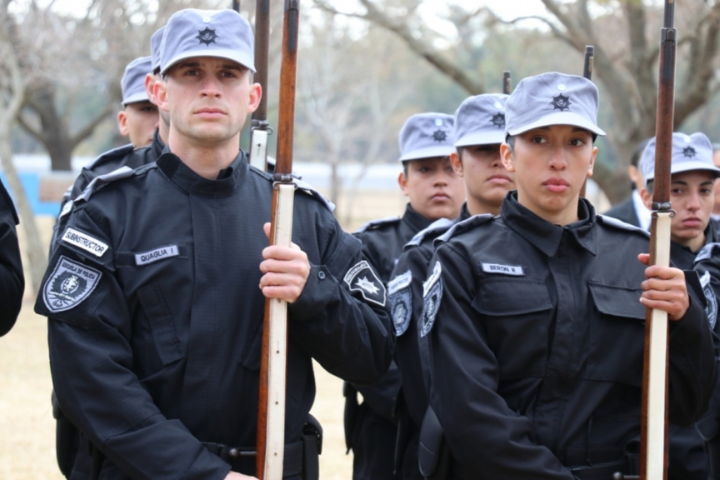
[(503, 269)]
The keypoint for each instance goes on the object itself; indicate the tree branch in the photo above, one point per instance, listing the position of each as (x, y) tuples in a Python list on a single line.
[(90, 127)]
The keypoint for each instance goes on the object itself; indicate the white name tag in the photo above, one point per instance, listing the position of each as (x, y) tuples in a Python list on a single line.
[(503, 269), (84, 241), (157, 254), (399, 282)]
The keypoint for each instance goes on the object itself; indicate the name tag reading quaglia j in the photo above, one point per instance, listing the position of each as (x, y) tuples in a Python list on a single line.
[(157, 254)]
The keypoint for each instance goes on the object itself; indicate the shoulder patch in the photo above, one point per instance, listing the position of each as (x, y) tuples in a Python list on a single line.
[(707, 252), (619, 224), (118, 152), (362, 278), (69, 284), (377, 223), (432, 295), (84, 241), (711, 310), (102, 180), (438, 227), (400, 297), (464, 226)]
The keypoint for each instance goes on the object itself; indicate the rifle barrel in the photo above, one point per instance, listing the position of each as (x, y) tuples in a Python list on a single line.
[(589, 65), (288, 74), (507, 83), (236, 5), (262, 47)]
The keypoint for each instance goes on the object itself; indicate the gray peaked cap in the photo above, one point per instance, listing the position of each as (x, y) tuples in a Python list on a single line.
[(427, 135), (133, 81), (207, 33), (480, 120), (155, 50), (552, 99), (689, 152)]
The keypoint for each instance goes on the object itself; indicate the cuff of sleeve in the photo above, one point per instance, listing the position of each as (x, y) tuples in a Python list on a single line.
[(318, 292)]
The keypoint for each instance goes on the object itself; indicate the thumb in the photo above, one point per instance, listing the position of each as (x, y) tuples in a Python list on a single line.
[(644, 258), (266, 229)]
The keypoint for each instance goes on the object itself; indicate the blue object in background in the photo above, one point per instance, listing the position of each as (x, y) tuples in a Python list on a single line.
[(31, 184)]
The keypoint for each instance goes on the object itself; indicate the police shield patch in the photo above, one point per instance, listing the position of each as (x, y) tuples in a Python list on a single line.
[(400, 296), (69, 284), (432, 295), (711, 309), (362, 278)]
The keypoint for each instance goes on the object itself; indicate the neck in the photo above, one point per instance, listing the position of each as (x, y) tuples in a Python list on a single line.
[(693, 244), (205, 159), (565, 217), (164, 131), (478, 207)]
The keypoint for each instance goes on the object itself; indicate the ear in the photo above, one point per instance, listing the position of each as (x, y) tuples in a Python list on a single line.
[(150, 87), (647, 198), (402, 181), (506, 155), (456, 163), (255, 97), (160, 94), (591, 167), (122, 123)]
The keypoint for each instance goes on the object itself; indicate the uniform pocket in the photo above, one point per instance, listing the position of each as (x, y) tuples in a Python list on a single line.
[(516, 312), (617, 334), (161, 324)]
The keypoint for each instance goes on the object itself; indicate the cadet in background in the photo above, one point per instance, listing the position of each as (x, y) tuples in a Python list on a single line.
[(633, 210), (535, 318), (157, 285), (434, 191), (692, 198), (12, 280), (138, 119), (479, 130)]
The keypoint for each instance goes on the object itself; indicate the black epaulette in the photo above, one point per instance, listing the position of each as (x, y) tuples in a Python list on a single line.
[(464, 226), (619, 224), (101, 181), (380, 222), (113, 154), (302, 186), (437, 228), (708, 251)]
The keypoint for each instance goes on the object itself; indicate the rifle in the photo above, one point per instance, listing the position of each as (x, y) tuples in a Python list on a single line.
[(654, 426), (588, 68), (236, 5), (507, 83), (273, 363), (260, 127)]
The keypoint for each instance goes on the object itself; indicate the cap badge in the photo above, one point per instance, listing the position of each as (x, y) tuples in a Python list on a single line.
[(498, 105), (561, 102), (689, 152), (438, 122), (207, 36), (561, 87), (440, 135), (498, 120)]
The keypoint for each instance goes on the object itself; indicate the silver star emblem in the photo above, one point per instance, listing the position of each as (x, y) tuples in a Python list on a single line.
[(367, 285)]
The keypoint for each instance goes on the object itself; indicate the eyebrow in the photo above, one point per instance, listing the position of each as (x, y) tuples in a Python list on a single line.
[(574, 130), (683, 182), (224, 66)]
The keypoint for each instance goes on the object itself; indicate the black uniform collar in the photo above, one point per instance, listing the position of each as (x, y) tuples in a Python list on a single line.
[(464, 213), (180, 174), (683, 257), (416, 221), (544, 235), (157, 145)]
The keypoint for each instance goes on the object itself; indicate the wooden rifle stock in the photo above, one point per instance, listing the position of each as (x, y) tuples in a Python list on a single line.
[(654, 433), (273, 364), (260, 128), (588, 67), (507, 83)]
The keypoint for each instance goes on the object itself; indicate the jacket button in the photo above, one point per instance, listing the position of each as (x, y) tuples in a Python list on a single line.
[(321, 275), (234, 453)]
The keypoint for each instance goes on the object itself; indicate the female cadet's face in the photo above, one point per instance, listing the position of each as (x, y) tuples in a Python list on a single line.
[(551, 164)]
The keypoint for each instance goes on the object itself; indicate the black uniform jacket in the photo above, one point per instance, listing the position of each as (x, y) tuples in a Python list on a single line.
[(156, 316), (537, 336), (12, 281), (625, 211)]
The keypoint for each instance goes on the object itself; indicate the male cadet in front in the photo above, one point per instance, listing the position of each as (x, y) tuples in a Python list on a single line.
[(156, 287), (692, 198), (12, 281), (633, 210), (479, 131), (435, 191), (535, 317)]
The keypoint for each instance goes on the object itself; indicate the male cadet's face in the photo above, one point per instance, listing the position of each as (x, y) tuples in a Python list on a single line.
[(551, 165), (692, 198), (716, 161), (486, 179), (434, 189), (208, 98), (138, 121)]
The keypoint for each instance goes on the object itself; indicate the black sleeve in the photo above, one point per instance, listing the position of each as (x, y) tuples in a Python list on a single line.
[(487, 437), (91, 360), (12, 281), (341, 317)]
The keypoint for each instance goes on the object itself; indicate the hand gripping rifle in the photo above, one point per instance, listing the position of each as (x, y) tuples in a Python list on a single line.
[(588, 68), (260, 127), (654, 427), (273, 363)]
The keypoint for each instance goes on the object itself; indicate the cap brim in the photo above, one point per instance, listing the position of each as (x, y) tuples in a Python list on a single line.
[(429, 152), (484, 138), (136, 98), (559, 118), (687, 167), (244, 60)]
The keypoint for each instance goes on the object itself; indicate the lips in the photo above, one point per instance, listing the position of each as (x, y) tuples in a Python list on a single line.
[(500, 179), (692, 222), (440, 197), (556, 185), (210, 112)]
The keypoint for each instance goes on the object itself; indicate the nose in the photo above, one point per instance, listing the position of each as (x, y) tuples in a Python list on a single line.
[(557, 159), (210, 86), (694, 202)]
